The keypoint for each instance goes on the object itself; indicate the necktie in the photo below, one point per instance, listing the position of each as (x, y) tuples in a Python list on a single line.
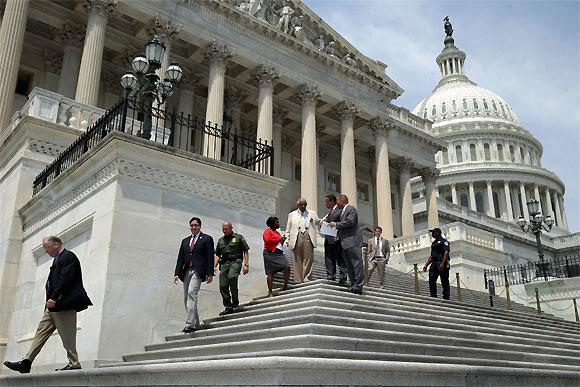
[(191, 246), (377, 251)]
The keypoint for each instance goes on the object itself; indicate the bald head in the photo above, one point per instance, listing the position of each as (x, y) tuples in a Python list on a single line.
[(227, 228)]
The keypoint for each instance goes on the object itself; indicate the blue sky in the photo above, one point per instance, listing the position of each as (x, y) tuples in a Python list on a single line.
[(528, 52)]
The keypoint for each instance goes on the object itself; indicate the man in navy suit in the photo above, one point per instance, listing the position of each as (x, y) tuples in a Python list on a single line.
[(194, 266), (65, 296)]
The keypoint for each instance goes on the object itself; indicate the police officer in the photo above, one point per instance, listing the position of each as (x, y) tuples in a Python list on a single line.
[(439, 261), (232, 256)]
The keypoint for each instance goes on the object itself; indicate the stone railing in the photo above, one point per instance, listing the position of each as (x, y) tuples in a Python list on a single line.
[(453, 232), (405, 116), (53, 107), (572, 240)]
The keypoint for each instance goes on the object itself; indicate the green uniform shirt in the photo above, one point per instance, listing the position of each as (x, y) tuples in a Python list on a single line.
[(231, 248)]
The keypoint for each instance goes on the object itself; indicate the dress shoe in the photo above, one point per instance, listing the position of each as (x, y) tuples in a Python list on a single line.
[(355, 291), (22, 366), (227, 310), (188, 330), (68, 367)]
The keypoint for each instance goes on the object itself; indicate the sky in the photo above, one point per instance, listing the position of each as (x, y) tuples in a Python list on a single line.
[(527, 52)]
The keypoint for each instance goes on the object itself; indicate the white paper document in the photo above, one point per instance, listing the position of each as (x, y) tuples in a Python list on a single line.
[(325, 229)]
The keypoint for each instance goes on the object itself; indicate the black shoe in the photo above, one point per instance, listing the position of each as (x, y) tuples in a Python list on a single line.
[(68, 367), (22, 366), (355, 291), (342, 281), (227, 310), (188, 330)]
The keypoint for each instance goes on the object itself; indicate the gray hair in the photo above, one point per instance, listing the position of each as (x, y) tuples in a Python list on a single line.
[(343, 196), (301, 200), (53, 239)]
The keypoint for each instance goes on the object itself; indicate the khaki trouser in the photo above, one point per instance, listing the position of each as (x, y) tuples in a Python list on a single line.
[(303, 258), (66, 325)]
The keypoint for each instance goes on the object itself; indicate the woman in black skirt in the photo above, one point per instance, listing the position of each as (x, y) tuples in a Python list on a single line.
[(274, 259)]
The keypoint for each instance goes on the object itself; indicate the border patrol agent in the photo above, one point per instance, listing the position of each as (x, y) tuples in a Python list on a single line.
[(439, 261), (232, 256)]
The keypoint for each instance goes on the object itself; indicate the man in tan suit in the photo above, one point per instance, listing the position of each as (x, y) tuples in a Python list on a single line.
[(378, 251), (301, 237)]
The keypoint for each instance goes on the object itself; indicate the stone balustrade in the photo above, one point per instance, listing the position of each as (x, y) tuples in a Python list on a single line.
[(53, 107)]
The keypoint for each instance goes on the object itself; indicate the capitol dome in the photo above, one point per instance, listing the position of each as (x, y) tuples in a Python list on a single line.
[(491, 165)]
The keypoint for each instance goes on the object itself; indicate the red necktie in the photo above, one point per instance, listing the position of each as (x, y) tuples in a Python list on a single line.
[(191, 246)]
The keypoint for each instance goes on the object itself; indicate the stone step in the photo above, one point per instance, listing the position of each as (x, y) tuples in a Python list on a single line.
[(407, 303), (309, 336), (324, 328), (329, 317), (361, 355), (294, 371)]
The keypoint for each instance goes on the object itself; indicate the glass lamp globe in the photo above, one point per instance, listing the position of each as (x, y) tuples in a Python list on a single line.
[(154, 51), (533, 206), (129, 81), (549, 220), (140, 64), (521, 222), (166, 88), (174, 72)]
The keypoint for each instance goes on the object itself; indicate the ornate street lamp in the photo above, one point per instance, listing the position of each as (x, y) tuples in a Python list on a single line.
[(536, 224), (149, 85)]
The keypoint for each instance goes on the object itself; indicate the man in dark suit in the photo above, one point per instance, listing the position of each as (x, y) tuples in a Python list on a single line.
[(351, 241), (65, 296), (194, 266), (332, 248)]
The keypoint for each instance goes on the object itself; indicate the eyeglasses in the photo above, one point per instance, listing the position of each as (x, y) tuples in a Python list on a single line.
[(194, 225)]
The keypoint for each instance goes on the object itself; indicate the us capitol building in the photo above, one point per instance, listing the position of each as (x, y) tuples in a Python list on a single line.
[(320, 115)]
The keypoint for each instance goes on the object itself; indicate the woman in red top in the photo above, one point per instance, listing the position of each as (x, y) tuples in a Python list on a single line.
[(274, 259)]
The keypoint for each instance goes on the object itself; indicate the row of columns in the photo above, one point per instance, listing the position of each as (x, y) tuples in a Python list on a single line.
[(510, 208)]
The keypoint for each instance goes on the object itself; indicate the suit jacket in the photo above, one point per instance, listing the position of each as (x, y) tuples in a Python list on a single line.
[(201, 257), (347, 228), (292, 227), (372, 248), (65, 284), (333, 216)]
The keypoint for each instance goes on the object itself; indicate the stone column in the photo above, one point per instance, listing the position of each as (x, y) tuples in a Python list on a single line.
[(347, 111), (266, 77), (90, 70), (380, 127), (562, 211), (490, 203), (429, 179), (508, 201), (11, 42), (557, 212), (72, 38), (472, 204), (217, 56), (279, 115), (525, 212), (537, 197), (407, 221), (183, 135), (309, 94), (454, 194), (515, 203), (549, 209)]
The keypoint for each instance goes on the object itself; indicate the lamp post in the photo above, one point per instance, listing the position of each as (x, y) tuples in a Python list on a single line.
[(150, 86), (536, 225)]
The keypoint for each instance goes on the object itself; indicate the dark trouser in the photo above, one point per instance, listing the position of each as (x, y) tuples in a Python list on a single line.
[(229, 273), (354, 267), (435, 272), (333, 257)]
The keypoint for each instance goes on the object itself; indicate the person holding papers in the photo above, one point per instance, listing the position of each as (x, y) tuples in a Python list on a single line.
[(274, 259), (332, 248)]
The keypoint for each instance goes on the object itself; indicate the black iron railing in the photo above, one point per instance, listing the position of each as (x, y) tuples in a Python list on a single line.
[(563, 267), (172, 129)]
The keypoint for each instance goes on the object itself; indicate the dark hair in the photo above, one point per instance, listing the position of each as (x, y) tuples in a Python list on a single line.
[(196, 219), (331, 197), (271, 220), (379, 227)]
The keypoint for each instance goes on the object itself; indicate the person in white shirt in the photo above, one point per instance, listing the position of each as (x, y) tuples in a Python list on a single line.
[(378, 251), (301, 237)]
